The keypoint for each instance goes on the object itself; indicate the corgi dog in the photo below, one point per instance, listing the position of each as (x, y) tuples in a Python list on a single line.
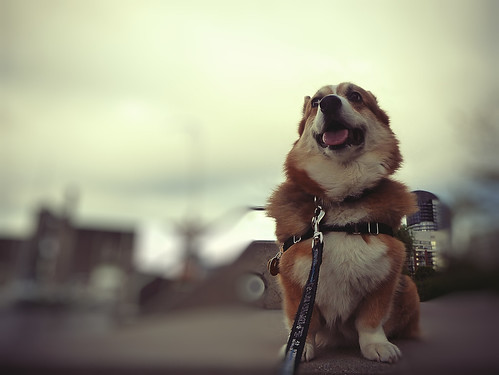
[(343, 158)]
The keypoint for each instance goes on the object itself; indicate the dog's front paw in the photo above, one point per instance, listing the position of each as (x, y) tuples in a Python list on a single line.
[(308, 352), (381, 352)]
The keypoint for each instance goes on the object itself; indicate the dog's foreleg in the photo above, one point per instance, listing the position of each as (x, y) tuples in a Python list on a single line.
[(375, 346), (291, 303), (294, 269), (374, 311)]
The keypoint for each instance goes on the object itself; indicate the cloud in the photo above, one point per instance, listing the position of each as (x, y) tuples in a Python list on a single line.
[(146, 106)]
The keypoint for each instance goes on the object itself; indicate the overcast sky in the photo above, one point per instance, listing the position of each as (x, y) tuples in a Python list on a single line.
[(161, 110)]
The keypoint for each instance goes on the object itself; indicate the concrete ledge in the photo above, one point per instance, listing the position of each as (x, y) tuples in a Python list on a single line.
[(460, 338)]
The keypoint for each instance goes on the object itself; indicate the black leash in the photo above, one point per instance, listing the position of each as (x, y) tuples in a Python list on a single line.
[(298, 335)]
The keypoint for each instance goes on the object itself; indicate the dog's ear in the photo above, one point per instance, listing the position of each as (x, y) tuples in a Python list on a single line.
[(305, 111), (374, 106), (374, 96), (306, 100)]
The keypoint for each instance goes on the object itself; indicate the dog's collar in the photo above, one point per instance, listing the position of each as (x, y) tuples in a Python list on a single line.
[(353, 198), (371, 227), (363, 193)]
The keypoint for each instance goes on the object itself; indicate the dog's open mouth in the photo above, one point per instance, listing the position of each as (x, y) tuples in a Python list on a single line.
[(338, 136)]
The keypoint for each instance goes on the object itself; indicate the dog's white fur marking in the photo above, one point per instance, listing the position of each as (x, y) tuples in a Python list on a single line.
[(375, 346), (351, 268), (351, 179), (333, 88)]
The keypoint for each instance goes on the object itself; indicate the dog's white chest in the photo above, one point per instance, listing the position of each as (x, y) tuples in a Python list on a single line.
[(350, 269)]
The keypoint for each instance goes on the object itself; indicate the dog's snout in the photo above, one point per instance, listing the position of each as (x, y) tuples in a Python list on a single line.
[(330, 104)]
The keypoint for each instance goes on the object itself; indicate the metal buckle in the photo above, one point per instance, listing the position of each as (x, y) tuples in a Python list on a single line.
[(296, 239), (356, 229), (369, 228)]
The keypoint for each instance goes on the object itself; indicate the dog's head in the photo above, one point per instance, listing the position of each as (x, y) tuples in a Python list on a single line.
[(345, 144)]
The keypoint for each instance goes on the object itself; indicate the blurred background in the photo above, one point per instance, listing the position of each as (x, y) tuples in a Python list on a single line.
[(139, 140)]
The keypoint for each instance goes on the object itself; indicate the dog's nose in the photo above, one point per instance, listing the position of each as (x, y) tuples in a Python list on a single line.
[(330, 104)]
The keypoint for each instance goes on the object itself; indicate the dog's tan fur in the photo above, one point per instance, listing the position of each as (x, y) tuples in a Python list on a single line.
[(361, 294)]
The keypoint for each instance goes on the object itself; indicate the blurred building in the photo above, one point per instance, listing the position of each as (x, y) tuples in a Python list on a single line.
[(64, 263), (429, 231), (10, 248), (246, 281)]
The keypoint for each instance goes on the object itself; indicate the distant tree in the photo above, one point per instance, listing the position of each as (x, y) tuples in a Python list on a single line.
[(424, 272), (404, 235)]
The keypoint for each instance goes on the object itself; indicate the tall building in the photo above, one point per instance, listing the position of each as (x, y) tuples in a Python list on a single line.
[(67, 263), (428, 230), (427, 218)]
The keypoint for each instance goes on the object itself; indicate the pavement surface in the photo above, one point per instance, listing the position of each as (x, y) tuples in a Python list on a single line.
[(460, 336)]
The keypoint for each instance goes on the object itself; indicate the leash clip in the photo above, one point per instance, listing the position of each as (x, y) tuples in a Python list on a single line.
[(318, 216)]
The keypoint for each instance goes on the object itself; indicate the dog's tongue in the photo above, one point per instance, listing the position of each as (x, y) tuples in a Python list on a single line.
[(335, 138)]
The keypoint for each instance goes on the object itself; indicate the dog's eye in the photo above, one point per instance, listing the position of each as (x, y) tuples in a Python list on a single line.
[(315, 102), (355, 97)]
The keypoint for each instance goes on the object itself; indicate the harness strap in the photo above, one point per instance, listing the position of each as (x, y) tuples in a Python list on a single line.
[(371, 227)]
